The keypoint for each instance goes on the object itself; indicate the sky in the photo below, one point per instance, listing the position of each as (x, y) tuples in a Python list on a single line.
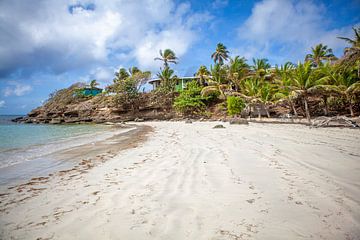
[(46, 45)]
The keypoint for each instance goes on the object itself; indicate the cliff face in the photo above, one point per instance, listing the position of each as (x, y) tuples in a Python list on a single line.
[(65, 107)]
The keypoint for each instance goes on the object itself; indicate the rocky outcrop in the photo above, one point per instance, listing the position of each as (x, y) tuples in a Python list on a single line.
[(101, 109)]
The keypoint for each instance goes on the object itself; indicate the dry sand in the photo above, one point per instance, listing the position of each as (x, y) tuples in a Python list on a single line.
[(189, 181)]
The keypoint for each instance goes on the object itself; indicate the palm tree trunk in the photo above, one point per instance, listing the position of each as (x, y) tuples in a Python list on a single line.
[(351, 109), (293, 108), (267, 111), (259, 113), (307, 109), (326, 108)]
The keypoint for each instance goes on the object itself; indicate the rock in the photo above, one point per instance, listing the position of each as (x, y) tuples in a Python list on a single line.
[(188, 121), (239, 121), (139, 120), (219, 126), (55, 121)]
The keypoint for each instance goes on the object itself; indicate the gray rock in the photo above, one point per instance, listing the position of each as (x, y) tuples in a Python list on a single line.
[(188, 121), (139, 120), (219, 126)]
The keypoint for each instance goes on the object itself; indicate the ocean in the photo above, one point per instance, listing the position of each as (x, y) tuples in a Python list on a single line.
[(26, 149)]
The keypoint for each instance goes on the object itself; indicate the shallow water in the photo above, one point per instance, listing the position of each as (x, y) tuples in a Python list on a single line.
[(28, 147)]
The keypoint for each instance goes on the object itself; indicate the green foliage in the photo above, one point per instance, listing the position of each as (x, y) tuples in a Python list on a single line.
[(235, 105), (168, 80), (190, 100)]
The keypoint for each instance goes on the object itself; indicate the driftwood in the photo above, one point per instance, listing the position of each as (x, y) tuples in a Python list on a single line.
[(339, 121)]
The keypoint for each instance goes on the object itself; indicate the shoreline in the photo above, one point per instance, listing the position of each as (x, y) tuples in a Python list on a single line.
[(263, 181)]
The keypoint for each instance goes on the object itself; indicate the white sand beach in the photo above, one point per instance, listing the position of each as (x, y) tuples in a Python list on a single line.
[(190, 181)]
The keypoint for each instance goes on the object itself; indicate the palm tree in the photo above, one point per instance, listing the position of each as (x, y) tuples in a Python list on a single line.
[(238, 71), (260, 66), (203, 74), (93, 83), (352, 54), (319, 53), (283, 78), (167, 79), (303, 80), (250, 91), (168, 56), (220, 54), (121, 75), (266, 94), (349, 84), (217, 82)]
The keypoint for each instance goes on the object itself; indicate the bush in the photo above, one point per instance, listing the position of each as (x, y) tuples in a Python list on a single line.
[(190, 100), (235, 105)]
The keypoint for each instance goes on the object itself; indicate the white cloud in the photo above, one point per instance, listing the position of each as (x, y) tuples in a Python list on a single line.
[(291, 27), (16, 89), (62, 36), (2, 103), (220, 3)]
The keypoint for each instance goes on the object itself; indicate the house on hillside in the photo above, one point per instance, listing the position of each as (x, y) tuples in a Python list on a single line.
[(180, 83)]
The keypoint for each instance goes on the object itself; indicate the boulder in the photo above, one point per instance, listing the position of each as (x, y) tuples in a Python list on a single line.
[(188, 121), (219, 126)]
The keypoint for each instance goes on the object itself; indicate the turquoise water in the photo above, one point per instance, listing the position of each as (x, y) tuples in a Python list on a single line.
[(15, 135), (25, 143)]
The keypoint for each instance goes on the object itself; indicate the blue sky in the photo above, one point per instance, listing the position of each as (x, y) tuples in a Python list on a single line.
[(49, 44)]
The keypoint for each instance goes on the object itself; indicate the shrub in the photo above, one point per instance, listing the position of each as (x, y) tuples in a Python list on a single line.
[(190, 100), (235, 105)]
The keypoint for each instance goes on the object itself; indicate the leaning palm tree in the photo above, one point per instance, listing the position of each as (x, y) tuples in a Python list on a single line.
[(352, 53), (319, 53), (203, 73), (168, 56), (220, 54)]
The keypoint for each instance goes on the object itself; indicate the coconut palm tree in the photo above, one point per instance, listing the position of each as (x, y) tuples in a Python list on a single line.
[(304, 80), (260, 66), (203, 73), (217, 82), (238, 70), (93, 83), (319, 53), (352, 53), (168, 56), (283, 78), (220, 54), (167, 79), (121, 75), (266, 94), (349, 84)]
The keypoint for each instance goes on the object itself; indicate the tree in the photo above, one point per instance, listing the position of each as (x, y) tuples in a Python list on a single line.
[(220, 54), (352, 54), (168, 56), (126, 86), (260, 66), (283, 78), (93, 83), (319, 53), (303, 80), (167, 80), (190, 100), (217, 82), (238, 70), (121, 75), (203, 74)]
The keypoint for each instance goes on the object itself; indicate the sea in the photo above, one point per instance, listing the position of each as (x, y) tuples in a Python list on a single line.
[(26, 149)]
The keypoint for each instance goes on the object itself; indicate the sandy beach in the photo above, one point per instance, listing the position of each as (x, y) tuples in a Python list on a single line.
[(190, 181)]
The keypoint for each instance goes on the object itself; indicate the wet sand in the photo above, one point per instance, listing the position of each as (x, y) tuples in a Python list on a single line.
[(190, 181)]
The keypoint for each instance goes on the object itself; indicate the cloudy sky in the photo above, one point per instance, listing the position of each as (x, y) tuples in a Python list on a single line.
[(49, 44)]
